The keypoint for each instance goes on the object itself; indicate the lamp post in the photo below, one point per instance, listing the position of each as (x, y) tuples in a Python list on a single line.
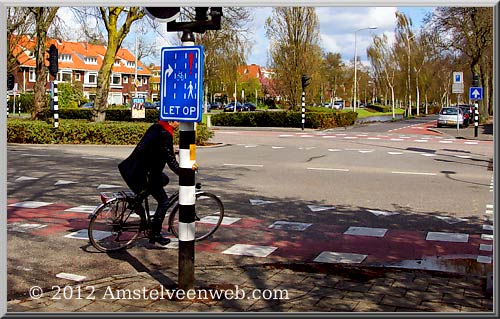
[(356, 62)]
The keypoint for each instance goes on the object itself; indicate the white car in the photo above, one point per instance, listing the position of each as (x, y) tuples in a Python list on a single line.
[(338, 105), (448, 116)]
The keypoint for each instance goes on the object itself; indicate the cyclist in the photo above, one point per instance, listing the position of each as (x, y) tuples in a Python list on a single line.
[(143, 170)]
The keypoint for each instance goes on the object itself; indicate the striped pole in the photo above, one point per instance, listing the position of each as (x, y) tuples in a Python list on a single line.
[(476, 119), (187, 197), (303, 109), (56, 106)]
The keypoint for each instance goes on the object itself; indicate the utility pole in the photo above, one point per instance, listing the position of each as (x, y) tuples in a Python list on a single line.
[(187, 134)]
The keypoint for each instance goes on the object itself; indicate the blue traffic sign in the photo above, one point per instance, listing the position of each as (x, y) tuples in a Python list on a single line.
[(475, 93), (181, 81)]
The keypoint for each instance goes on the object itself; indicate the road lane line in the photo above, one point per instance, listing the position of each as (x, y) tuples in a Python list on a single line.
[(414, 173), (245, 165), (328, 169)]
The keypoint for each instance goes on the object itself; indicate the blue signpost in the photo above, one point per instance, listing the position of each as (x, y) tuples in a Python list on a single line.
[(475, 93), (181, 91)]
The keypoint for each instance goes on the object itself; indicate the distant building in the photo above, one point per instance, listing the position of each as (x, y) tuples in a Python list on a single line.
[(80, 62)]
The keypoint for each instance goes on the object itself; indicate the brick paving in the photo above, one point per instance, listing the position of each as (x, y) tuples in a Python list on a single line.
[(272, 288)]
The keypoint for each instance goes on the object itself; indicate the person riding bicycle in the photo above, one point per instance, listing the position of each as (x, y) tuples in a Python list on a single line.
[(143, 170)]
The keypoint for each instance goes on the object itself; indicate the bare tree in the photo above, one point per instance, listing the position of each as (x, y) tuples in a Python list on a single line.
[(117, 21), (383, 60), (469, 30), (19, 23), (43, 17), (294, 37)]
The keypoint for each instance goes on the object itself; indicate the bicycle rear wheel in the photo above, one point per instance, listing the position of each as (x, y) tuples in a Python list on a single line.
[(209, 214), (113, 226)]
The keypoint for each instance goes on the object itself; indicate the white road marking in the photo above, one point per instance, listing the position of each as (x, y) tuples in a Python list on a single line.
[(285, 225), (341, 258), (82, 209), (366, 231), (260, 202), (25, 178), (414, 173), (394, 153), (250, 250), (316, 208), (245, 165), (30, 204), (63, 182), (72, 277), (449, 237), (486, 247), (328, 169), (382, 213), (484, 259), (108, 186)]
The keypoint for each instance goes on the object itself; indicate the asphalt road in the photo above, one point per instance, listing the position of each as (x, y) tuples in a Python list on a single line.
[(326, 178)]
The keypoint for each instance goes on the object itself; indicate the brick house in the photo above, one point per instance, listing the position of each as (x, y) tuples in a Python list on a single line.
[(80, 62)]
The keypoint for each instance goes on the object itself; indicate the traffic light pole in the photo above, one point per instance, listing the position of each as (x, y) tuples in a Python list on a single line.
[(187, 196), (476, 119), (303, 109)]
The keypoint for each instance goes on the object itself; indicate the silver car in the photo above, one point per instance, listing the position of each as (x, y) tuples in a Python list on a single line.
[(448, 116)]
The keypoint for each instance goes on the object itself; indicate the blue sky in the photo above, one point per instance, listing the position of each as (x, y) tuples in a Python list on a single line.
[(337, 26)]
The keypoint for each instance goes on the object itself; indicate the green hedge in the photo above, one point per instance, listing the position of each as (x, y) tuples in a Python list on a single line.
[(381, 108), (115, 114), (285, 119), (85, 132)]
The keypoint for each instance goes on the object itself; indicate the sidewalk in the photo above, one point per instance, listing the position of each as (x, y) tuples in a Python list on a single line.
[(273, 288)]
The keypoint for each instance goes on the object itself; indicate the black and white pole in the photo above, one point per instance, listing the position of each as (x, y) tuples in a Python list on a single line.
[(476, 119), (187, 196), (305, 82), (303, 109), (56, 106)]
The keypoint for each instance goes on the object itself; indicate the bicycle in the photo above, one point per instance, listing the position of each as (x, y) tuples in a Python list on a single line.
[(123, 216)]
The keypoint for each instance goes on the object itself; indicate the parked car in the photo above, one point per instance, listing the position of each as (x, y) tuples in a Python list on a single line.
[(338, 105), (248, 106), (88, 105), (448, 116), (216, 106), (468, 112), (149, 105), (157, 105), (230, 107)]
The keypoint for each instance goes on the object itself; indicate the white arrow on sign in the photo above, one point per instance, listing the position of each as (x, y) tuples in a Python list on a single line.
[(168, 72), (476, 93)]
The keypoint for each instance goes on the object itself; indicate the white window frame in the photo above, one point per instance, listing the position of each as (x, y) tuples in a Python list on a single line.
[(90, 60), (65, 58), (115, 75), (87, 77), (78, 77), (144, 80), (130, 64), (60, 75), (32, 75), (125, 79)]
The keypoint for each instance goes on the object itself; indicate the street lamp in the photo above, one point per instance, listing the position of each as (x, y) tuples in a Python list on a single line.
[(355, 63)]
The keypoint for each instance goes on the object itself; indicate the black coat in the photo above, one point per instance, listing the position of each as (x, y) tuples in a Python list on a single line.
[(143, 169)]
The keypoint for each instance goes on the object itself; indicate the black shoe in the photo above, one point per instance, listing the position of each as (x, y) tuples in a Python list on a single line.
[(158, 238)]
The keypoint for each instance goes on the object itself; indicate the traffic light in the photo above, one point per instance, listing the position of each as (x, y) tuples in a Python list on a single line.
[(163, 14), (305, 81), (10, 81), (475, 80), (53, 60)]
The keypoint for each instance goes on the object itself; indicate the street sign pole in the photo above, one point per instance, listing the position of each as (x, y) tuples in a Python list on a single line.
[(187, 197)]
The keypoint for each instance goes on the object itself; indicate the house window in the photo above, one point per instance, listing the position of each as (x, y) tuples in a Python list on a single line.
[(64, 76), (90, 60), (65, 58), (144, 81), (116, 79), (117, 62), (91, 78), (130, 64), (32, 77), (125, 79), (78, 77)]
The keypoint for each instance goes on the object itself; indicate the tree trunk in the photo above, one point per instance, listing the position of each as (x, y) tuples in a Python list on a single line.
[(102, 91)]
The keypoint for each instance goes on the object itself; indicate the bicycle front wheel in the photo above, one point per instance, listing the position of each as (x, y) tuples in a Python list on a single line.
[(209, 214), (113, 226)]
